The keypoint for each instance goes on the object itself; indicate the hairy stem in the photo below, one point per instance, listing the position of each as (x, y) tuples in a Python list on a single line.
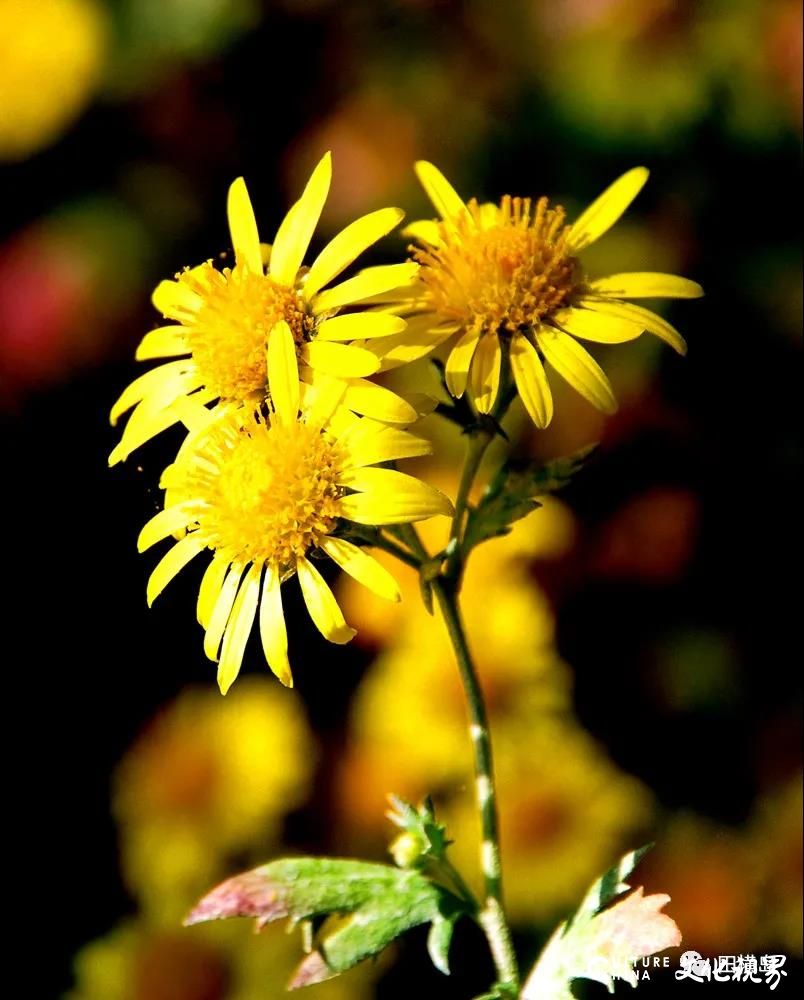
[(491, 916)]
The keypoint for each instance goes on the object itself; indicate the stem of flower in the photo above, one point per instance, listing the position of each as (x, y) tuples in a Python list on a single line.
[(479, 440), (491, 916)]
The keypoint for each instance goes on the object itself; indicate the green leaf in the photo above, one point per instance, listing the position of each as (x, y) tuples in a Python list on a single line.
[(500, 991), (603, 937), (366, 906), (513, 493), (439, 940), (429, 572)]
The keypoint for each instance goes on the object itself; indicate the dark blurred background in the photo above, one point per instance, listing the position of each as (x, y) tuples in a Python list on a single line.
[(671, 601)]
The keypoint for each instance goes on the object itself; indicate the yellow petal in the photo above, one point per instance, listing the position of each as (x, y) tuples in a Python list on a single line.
[(283, 373), (147, 420), (531, 381), (371, 281), (422, 336), (578, 367), (607, 209), (161, 383), (238, 629), (459, 362), (164, 342), (166, 522), (210, 588), (644, 317), (297, 228), (485, 372), (169, 565), (347, 246), (273, 631), (243, 228), (596, 326), (322, 396), (363, 567), (341, 360), (360, 326), (150, 418), (646, 285), (424, 230), (221, 611), (376, 401), (370, 442), (193, 412), (389, 497), (177, 300), (327, 616), (446, 200)]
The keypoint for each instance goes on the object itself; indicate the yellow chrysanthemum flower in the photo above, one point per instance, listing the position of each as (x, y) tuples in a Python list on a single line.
[(508, 276), (142, 960), (51, 59), (206, 783), (224, 319), (264, 492)]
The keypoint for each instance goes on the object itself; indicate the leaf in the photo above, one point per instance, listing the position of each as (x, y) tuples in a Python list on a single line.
[(439, 940), (500, 991), (366, 905), (601, 941), (429, 572), (513, 492)]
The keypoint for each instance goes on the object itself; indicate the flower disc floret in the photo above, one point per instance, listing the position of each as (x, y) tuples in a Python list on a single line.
[(266, 495)]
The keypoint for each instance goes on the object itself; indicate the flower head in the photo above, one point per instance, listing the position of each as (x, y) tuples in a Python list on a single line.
[(204, 783), (265, 492), (52, 55), (506, 281), (223, 319)]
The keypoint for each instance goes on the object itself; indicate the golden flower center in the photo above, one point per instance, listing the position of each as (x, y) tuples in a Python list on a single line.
[(503, 273), (229, 333), (267, 494)]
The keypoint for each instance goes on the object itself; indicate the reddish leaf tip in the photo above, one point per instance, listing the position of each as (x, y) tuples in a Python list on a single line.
[(312, 970), (251, 894)]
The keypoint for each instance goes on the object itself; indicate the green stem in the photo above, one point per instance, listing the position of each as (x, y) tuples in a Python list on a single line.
[(478, 442), (491, 916)]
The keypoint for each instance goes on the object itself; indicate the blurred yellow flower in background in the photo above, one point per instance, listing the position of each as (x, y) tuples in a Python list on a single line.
[(565, 811), (225, 319), (208, 780), (141, 961), (509, 275), (51, 57)]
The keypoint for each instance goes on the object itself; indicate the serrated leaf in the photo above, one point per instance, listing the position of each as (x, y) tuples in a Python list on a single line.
[(610, 885), (601, 941), (367, 905), (513, 493)]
